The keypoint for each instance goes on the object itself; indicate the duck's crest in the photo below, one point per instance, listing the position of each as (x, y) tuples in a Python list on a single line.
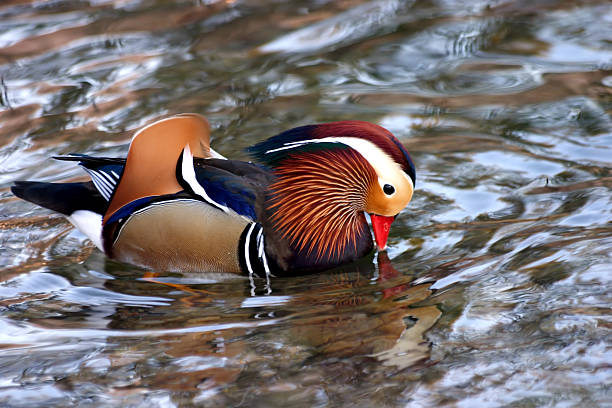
[(276, 148), (150, 169), (326, 135)]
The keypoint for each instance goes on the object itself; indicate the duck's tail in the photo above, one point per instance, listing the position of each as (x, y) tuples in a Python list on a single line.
[(65, 198), (80, 202)]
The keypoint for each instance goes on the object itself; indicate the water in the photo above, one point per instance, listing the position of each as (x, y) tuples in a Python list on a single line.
[(496, 287)]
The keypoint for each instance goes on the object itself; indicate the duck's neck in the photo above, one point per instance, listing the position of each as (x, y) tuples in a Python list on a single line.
[(314, 211), (349, 247)]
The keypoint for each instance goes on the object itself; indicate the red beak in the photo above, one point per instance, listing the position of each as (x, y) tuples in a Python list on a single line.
[(381, 226)]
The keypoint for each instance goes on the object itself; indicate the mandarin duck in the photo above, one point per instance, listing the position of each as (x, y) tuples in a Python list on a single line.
[(174, 204)]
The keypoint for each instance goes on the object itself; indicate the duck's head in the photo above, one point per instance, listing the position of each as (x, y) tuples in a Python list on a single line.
[(329, 175)]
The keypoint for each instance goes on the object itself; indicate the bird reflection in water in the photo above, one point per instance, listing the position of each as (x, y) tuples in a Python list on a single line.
[(363, 310)]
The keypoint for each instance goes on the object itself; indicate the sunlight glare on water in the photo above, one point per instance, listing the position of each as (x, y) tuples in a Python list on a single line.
[(497, 290)]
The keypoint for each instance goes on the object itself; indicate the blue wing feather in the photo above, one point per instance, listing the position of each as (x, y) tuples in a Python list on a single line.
[(227, 189)]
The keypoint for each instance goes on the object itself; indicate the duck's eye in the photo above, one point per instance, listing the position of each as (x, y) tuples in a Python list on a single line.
[(388, 189)]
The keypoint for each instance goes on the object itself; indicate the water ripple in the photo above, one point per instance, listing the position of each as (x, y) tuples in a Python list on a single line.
[(342, 29), (496, 290)]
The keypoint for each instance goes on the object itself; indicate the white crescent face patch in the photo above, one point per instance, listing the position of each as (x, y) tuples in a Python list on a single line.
[(388, 171), (378, 159)]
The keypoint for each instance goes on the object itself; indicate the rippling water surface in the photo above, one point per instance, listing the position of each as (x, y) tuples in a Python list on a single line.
[(495, 290)]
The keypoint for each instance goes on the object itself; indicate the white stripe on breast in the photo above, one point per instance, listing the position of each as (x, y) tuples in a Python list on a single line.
[(246, 249)]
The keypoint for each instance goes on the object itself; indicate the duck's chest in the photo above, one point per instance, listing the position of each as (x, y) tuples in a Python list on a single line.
[(181, 235)]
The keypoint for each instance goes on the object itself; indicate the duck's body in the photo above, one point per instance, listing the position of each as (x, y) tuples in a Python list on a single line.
[(176, 205)]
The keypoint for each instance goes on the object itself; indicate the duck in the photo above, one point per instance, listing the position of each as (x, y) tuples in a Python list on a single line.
[(174, 204)]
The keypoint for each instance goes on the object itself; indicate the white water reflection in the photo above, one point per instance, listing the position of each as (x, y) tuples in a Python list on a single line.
[(515, 163), (341, 29), (468, 203)]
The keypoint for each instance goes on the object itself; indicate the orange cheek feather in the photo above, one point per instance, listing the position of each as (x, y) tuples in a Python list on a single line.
[(378, 204)]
